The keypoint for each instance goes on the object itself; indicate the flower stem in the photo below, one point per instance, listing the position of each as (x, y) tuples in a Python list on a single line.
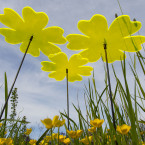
[(110, 92), (15, 77), (67, 98)]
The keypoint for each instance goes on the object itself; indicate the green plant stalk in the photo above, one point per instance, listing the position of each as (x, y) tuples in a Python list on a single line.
[(31, 38)]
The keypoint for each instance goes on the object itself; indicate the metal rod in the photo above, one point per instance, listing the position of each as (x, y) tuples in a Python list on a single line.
[(15, 78), (67, 98)]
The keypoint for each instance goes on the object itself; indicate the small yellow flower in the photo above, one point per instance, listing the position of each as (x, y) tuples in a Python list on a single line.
[(1, 124), (74, 134), (124, 129), (60, 63), (96, 122), (66, 141), (92, 129), (87, 140), (47, 122), (9, 141), (61, 138), (47, 139), (58, 123), (32, 142), (28, 131), (54, 135)]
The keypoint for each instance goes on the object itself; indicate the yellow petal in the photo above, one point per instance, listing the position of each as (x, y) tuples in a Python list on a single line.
[(49, 48), (53, 35), (77, 42), (122, 27), (97, 27), (59, 75), (12, 36), (34, 20), (133, 43), (11, 19), (85, 70), (48, 66), (74, 77)]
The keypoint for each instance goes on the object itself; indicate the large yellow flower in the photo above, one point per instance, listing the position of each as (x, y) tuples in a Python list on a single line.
[(97, 122), (117, 38), (32, 24), (60, 63), (87, 140), (74, 134)]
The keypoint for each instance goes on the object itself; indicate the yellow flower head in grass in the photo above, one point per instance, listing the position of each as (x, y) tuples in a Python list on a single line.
[(118, 38), (58, 123), (74, 134), (28, 131), (66, 141), (87, 140), (32, 142), (47, 123), (60, 63), (33, 24), (1, 124), (9, 141), (97, 122), (92, 129), (61, 138), (124, 129)]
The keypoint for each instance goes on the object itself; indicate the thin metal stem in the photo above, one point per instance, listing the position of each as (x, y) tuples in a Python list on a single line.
[(67, 98), (110, 92), (15, 78)]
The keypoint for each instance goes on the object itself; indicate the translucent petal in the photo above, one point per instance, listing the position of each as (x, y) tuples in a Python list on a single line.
[(113, 56), (33, 48), (59, 76), (85, 70), (34, 20), (59, 58), (12, 36), (48, 66), (11, 19), (77, 42), (133, 43), (96, 27), (49, 48), (122, 26), (74, 77), (77, 60), (54, 35), (92, 54)]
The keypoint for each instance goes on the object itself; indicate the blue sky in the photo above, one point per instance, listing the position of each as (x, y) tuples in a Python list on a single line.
[(40, 96)]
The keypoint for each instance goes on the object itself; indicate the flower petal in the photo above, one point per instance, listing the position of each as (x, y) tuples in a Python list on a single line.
[(133, 43), (34, 20), (77, 42), (49, 48), (58, 75), (74, 77), (12, 36), (96, 27), (122, 26), (54, 35), (48, 66), (33, 48), (85, 70), (77, 60), (11, 19)]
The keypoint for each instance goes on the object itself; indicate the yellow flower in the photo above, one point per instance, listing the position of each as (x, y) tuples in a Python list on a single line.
[(92, 129), (74, 134), (28, 131), (124, 129), (56, 122), (66, 141), (117, 38), (47, 122), (32, 142), (86, 140), (1, 124), (32, 24), (60, 63), (47, 138), (96, 122), (9, 141), (61, 138), (54, 135)]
